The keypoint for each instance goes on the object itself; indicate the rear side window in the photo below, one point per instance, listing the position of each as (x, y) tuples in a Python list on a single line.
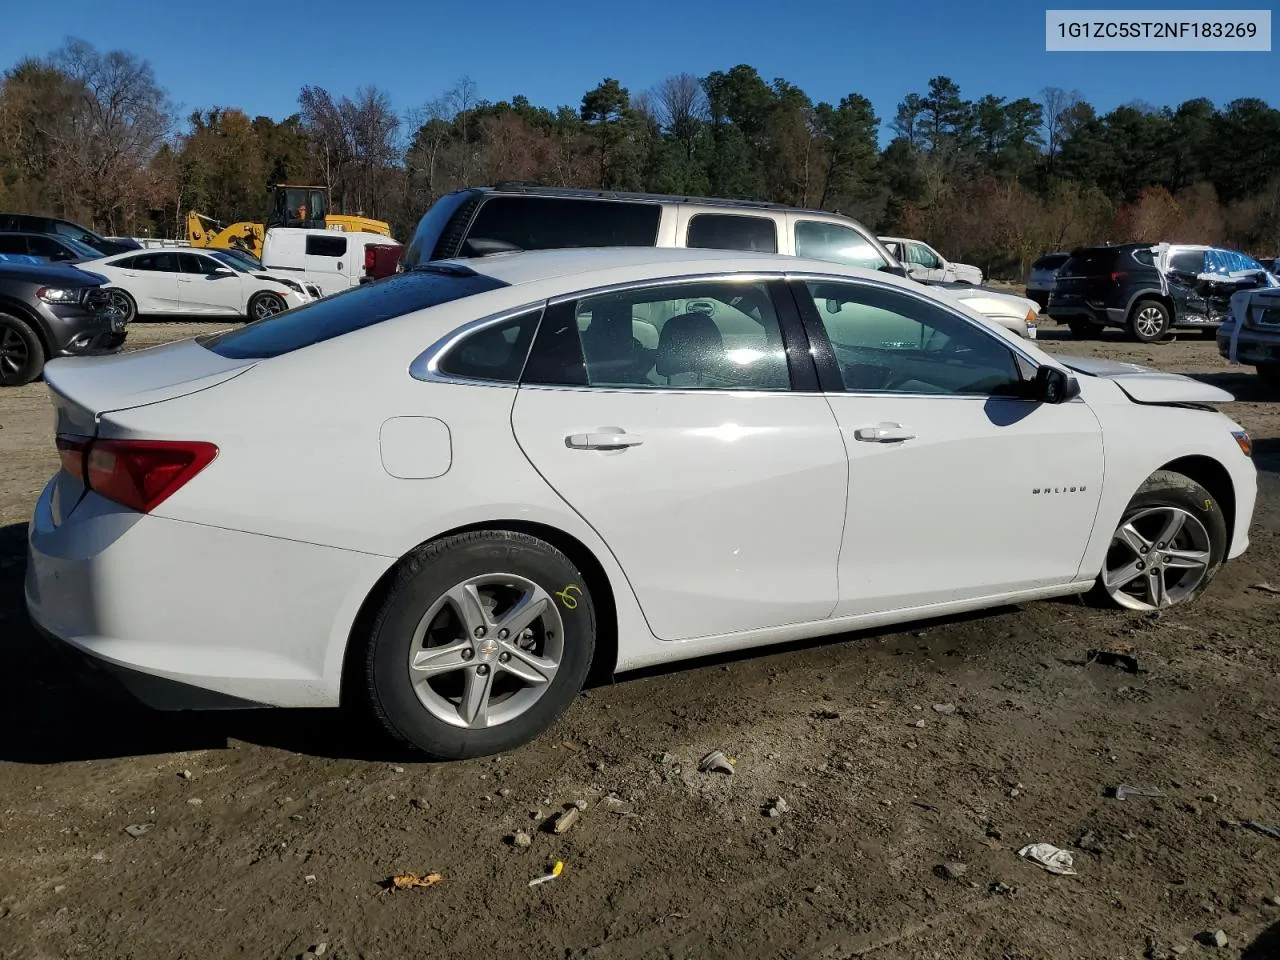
[(163, 262), (547, 223), (723, 232), (318, 246), (1090, 261), (496, 352), (348, 311), (1051, 262)]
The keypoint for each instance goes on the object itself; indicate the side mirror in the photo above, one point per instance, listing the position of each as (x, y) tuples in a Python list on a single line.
[(1052, 385), (223, 272)]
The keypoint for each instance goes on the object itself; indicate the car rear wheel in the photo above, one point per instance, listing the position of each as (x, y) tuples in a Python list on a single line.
[(265, 305), (484, 639), (1148, 321), (21, 353), (1169, 544), (123, 303), (1084, 329)]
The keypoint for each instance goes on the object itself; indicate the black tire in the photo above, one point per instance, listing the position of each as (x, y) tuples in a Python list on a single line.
[(123, 301), (423, 578), (266, 304), (1084, 329), (1140, 316), (1270, 373), (21, 352), (1165, 488)]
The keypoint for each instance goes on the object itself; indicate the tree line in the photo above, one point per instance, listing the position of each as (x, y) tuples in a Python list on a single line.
[(92, 136)]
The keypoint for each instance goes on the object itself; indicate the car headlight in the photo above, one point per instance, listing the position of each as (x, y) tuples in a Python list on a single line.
[(59, 294)]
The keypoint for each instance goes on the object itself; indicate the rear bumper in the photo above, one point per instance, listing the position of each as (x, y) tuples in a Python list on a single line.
[(189, 616)]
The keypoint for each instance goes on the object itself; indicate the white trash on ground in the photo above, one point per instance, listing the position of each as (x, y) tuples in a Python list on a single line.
[(1048, 857)]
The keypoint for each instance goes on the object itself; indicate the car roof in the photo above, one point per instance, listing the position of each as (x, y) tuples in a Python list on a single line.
[(649, 262)]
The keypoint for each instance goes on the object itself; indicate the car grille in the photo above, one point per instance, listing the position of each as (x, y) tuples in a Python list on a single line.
[(97, 300)]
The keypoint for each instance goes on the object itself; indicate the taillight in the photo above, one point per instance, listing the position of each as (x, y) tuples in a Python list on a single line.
[(71, 453), (139, 474), (1118, 275), (369, 259)]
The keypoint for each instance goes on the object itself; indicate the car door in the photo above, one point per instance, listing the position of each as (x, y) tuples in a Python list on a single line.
[(664, 414), (1188, 292), (152, 280), (959, 488), (1236, 271), (209, 287)]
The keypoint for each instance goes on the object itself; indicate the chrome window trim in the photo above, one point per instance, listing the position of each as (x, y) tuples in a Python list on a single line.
[(426, 365), (752, 276)]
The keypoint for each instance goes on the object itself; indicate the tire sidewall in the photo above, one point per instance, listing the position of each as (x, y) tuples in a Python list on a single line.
[(1133, 320), (35, 352), (420, 586)]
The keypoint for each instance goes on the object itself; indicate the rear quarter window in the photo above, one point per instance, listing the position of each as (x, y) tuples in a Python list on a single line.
[(727, 232), (1090, 261), (349, 311), (547, 223)]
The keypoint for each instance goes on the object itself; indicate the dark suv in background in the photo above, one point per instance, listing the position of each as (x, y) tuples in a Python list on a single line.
[(49, 311), (28, 223), (1150, 289)]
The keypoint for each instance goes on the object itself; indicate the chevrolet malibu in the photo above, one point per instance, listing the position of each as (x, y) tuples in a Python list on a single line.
[(450, 493)]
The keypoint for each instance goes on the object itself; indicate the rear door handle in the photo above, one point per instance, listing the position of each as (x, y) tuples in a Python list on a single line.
[(883, 433), (603, 440)]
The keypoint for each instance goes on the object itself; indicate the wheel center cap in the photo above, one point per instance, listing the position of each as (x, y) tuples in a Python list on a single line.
[(486, 649)]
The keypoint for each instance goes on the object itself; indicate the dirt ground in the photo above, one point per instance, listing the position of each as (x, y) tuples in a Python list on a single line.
[(272, 831)]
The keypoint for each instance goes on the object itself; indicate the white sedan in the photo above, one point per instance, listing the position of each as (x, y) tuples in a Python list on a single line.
[(925, 263), (202, 282), (448, 493)]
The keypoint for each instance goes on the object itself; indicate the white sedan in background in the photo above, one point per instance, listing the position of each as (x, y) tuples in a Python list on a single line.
[(447, 494), (201, 282), (925, 263)]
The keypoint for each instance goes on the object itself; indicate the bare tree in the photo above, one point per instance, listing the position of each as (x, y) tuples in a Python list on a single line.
[(1057, 104), (462, 99)]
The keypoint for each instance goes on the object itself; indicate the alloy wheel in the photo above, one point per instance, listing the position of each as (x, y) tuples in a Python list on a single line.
[(486, 651), (1149, 321), (14, 353), (1158, 557), (267, 306)]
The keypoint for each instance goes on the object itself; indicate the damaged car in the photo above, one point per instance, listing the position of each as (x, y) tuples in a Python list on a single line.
[(1150, 290), (1251, 332)]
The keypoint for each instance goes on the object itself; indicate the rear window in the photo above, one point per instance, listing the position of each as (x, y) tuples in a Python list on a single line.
[(547, 223), (1050, 262), (349, 311)]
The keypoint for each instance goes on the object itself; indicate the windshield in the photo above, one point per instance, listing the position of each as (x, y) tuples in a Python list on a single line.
[(235, 263), (80, 249)]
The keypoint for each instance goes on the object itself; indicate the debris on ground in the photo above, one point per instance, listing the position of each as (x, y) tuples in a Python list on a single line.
[(825, 715), (555, 871), (565, 821), (185, 774), (663, 759), (420, 803), (1122, 659), (195, 801), (1129, 790), (1214, 938), (618, 807), (1272, 901), (1000, 888), (136, 830), (309, 878), (504, 792), (716, 762), (918, 724), (409, 881), (1089, 844), (951, 870), (1267, 588), (1255, 826), (1048, 857), (520, 839), (319, 950), (946, 709), (397, 769), (776, 808)]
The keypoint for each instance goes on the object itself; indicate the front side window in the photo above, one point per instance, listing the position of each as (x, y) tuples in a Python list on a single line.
[(319, 246), (496, 352), (833, 242), (724, 232), (194, 263), (888, 341), (1187, 262), (925, 257), (705, 335)]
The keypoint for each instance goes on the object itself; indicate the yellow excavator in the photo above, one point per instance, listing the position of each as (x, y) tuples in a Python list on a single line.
[(292, 205)]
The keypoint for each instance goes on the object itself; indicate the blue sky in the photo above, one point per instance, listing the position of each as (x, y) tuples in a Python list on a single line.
[(257, 56)]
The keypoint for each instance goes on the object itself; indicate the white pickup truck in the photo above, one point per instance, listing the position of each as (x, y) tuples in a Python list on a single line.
[(334, 260)]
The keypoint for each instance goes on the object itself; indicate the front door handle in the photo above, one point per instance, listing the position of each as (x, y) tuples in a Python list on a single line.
[(883, 433), (607, 439)]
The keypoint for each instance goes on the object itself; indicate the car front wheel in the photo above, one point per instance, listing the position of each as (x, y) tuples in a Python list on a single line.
[(1170, 542), (21, 353), (485, 638), (265, 305)]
